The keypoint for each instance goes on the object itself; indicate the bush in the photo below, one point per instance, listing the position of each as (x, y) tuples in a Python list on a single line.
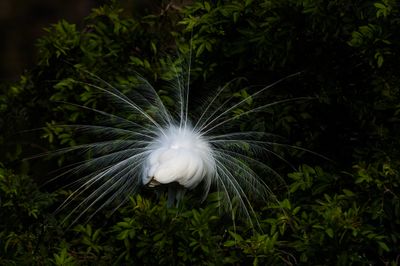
[(341, 213)]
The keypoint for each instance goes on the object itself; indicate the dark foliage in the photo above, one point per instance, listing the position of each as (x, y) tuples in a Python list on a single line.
[(340, 212)]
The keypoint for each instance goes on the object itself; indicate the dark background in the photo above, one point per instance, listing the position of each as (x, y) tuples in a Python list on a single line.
[(23, 21), (342, 211)]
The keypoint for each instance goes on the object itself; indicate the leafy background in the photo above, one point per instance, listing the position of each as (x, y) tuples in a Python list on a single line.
[(342, 211)]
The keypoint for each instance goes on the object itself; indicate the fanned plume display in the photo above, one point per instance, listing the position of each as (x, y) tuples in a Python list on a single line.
[(145, 142)]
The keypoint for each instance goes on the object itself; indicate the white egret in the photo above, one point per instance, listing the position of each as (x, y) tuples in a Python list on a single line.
[(148, 144)]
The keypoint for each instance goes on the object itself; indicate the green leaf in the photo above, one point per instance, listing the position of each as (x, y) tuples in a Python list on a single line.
[(236, 236), (329, 232), (383, 246)]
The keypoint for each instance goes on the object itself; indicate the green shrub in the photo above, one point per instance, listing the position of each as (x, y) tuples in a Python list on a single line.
[(345, 212)]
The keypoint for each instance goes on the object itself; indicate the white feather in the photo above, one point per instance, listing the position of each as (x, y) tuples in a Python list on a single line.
[(179, 155), (168, 149)]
